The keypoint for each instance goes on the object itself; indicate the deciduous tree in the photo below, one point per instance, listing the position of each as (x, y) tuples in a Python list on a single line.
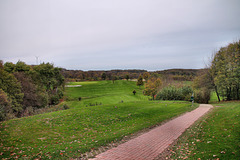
[(152, 86), (104, 76), (140, 81), (225, 69), (127, 77), (50, 78), (10, 85), (9, 67), (146, 75), (5, 106)]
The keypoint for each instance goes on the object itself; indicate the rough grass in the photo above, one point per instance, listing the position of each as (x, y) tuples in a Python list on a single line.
[(70, 133), (217, 136)]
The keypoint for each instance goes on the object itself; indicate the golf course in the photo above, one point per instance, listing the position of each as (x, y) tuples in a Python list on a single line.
[(100, 113)]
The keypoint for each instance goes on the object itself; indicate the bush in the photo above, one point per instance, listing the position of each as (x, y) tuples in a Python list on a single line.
[(28, 111), (186, 92), (174, 93), (54, 100), (66, 107), (202, 95), (168, 93)]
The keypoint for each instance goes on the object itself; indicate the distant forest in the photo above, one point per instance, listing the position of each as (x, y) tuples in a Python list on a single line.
[(174, 74)]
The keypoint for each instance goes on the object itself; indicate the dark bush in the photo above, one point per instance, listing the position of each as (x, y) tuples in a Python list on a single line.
[(54, 100), (66, 107)]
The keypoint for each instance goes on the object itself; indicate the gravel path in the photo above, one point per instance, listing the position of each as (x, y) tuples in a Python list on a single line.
[(151, 144)]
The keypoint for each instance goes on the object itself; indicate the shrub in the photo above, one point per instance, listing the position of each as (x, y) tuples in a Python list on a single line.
[(168, 93), (202, 95), (174, 93), (186, 92), (66, 107), (54, 100), (28, 111)]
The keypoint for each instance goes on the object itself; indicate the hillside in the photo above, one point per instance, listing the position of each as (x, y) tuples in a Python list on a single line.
[(188, 72), (106, 113)]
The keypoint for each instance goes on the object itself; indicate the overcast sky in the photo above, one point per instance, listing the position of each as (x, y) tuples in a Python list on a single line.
[(117, 34)]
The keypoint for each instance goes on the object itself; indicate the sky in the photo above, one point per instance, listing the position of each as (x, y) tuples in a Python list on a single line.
[(117, 34)]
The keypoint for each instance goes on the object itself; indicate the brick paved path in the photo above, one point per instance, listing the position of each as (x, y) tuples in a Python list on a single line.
[(151, 144)]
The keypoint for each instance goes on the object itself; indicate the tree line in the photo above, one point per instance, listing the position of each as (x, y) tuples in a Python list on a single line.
[(25, 88), (180, 74), (79, 75), (222, 76), (175, 74)]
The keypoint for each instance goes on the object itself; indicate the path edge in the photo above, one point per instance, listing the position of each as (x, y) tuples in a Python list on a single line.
[(93, 153), (167, 151)]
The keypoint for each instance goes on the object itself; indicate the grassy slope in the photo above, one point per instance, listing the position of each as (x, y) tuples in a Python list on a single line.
[(70, 133), (105, 92), (216, 136)]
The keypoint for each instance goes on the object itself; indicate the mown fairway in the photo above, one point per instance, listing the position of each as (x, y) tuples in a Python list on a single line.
[(105, 92), (217, 136), (70, 133)]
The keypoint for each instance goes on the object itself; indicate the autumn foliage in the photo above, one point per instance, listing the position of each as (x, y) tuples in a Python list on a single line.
[(225, 71), (25, 88), (152, 86)]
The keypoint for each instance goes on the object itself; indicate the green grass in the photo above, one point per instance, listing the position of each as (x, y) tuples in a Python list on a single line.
[(214, 98), (70, 133), (187, 83), (105, 92), (215, 136)]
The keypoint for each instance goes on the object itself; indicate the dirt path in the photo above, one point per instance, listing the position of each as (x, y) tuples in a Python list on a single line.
[(151, 144)]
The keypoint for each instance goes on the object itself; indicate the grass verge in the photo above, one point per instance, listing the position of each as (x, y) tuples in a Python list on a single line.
[(216, 136)]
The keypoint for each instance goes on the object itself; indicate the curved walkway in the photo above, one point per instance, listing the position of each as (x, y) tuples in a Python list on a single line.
[(151, 144)]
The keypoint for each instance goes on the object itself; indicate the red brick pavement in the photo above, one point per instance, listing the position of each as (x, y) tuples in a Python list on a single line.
[(151, 144)]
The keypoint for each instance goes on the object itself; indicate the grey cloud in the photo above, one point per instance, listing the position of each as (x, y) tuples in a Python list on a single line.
[(87, 34)]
